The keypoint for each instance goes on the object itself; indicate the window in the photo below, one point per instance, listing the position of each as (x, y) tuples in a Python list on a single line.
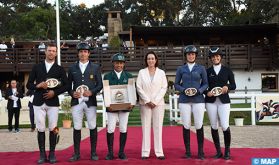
[(270, 82)]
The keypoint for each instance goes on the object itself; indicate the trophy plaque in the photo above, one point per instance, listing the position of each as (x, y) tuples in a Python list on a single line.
[(52, 82), (120, 97), (191, 91), (82, 88), (216, 91)]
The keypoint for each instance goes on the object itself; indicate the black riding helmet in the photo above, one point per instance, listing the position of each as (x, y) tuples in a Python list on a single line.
[(215, 51), (83, 46), (190, 49), (118, 57)]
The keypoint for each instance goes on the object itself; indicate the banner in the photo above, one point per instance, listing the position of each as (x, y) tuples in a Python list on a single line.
[(267, 108)]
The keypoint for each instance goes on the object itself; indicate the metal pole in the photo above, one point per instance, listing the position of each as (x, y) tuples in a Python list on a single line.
[(58, 33)]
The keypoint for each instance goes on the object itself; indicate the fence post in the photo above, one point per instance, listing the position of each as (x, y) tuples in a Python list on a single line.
[(171, 107), (245, 91), (175, 107), (253, 111)]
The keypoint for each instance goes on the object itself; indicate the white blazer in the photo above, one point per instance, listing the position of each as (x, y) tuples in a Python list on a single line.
[(154, 90)]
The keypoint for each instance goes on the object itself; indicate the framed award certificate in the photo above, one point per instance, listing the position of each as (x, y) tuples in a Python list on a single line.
[(120, 97)]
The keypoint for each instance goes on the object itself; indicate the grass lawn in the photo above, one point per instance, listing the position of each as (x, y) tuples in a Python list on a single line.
[(134, 118)]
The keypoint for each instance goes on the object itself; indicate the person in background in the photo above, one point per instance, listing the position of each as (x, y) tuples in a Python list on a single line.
[(3, 50), (3, 47), (46, 102), (152, 86), (191, 82), (84, 72), (30, 93), (13, 95), (42, 48), (12, 42), (117, 77), (218, 104)]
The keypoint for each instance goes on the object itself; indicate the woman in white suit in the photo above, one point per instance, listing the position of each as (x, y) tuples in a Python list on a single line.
[(152, 86)]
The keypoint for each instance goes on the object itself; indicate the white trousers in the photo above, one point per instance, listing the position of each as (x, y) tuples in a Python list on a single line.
[(198, 111), (156, 116), (40, 113), (218, 109), (122, 117), (90, 113)]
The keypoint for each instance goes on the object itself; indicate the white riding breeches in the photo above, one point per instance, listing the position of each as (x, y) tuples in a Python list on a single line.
[(122, 117), (198, 111), (40, 113), (90, 113), (218, 110)]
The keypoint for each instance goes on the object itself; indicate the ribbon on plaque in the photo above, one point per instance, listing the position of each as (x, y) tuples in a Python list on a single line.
[(217, 91), (191, 91), (52, 82)]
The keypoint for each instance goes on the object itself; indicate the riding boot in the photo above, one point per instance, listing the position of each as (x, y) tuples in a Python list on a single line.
[(227, 140), (41, 141), (186, 138), (93, 141), (52, 144), (216, 140), (77, 138), (123, 138), (200, 139), (110, 138)]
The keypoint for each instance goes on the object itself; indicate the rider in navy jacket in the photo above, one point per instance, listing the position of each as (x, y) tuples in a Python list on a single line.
[(186, 79)]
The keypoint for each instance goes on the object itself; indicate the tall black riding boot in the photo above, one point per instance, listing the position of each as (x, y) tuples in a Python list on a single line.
[(186, 138), (227, 140), (77, 138), (41, 141), (200, 138), (93, 141), (216, 140), (110, 138), (123, 138), (52, 144)]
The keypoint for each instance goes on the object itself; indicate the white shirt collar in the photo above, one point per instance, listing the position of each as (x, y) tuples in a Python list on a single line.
[(217, 68), (118, 74), (14, 90), (190, 66), (48, 65), (83, 66)]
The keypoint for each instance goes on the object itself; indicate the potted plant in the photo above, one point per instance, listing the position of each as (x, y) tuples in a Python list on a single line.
[(239, 119), (66, 108)]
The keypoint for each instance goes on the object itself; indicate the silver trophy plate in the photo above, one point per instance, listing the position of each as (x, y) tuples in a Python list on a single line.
[(191, 91), (82, 88), (217, 91), (52, 83)]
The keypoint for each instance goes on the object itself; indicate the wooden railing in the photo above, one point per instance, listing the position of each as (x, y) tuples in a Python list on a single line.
[(244, 56)]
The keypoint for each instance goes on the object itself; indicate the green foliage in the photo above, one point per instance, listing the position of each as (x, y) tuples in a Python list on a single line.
[(36, 19), (66, 107), (115, 42)]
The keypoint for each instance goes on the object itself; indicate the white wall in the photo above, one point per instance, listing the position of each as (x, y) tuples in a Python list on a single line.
[(241, 79)]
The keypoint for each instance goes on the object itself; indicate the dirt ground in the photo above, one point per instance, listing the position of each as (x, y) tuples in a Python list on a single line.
[(246, 136)]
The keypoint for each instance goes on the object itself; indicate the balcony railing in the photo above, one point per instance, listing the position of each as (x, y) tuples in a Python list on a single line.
[(246, 57)]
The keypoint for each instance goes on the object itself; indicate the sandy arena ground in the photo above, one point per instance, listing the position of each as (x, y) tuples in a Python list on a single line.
[(246, 136)]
